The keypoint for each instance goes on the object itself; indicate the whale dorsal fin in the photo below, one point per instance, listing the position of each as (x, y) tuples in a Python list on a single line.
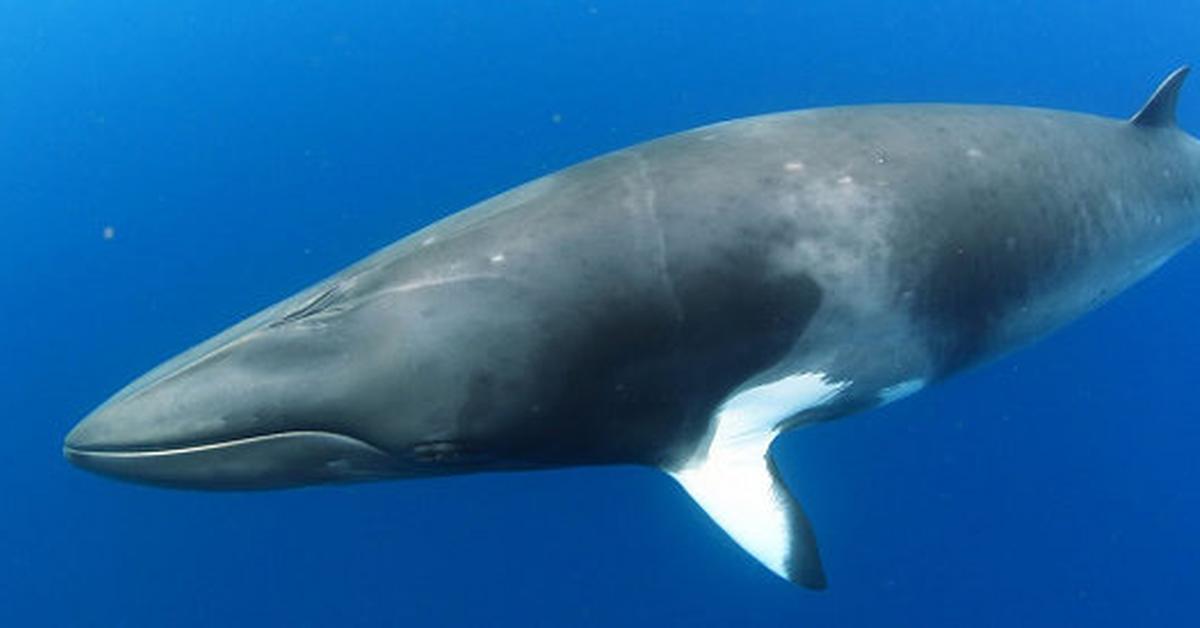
[(1159, 111), (735, 481)]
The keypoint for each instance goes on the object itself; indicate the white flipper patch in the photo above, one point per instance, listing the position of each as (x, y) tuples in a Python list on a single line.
[(736, 483)]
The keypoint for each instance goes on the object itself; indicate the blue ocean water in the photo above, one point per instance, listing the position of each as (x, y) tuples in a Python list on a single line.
[(167, 168)]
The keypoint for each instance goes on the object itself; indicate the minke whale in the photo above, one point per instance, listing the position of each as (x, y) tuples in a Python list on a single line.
[(678, 304)]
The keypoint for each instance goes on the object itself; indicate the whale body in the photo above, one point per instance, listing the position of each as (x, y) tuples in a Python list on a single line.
[(678, 304)]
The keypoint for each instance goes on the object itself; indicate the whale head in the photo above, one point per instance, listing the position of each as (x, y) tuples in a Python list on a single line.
[(354, 379)]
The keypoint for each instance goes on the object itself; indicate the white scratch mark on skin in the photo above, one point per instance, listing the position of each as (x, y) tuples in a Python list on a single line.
[(974, 153), (899, 391), (433, 282), (846, 180), (794, 166), (649, 207), (428, 241), (498, 258)]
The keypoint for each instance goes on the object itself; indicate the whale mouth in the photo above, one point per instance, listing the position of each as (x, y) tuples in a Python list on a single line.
[(276, 460)]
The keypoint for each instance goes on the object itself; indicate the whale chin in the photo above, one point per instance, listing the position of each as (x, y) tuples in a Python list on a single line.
[(278, 460)]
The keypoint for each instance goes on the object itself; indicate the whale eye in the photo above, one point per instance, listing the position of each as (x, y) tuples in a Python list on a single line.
[(316, 305)]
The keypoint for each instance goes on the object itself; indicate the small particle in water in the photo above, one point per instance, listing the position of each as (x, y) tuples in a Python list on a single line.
[(974, 153), (556, 118), (109, 232)]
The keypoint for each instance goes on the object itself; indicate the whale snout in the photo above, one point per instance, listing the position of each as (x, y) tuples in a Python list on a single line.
[(256, 409), (328, 386)]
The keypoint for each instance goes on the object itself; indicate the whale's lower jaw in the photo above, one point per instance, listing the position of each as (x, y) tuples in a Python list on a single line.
[(268, 461)]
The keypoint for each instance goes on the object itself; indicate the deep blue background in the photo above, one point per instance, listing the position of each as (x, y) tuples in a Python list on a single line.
[(242, 150)]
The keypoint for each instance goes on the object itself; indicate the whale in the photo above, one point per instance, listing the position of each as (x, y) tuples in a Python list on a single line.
[(678, 304)]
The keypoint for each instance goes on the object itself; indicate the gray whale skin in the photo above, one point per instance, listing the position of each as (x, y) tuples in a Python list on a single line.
[(678, 304)]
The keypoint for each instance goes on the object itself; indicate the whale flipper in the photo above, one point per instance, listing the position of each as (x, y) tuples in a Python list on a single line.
[(744, 494), (733, 478), (1159, 111)]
